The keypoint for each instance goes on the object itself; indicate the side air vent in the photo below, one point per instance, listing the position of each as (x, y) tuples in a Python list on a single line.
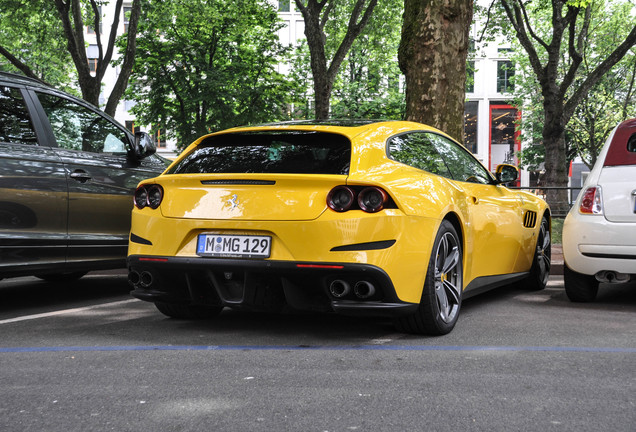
[(530, 219)]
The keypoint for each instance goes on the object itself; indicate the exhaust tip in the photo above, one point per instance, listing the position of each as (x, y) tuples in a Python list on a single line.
[(339, 288), (145, 279), (133, 278), (608, 276), (364, 289)]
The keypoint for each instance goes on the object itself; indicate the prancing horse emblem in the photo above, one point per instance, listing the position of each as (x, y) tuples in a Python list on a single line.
[(234, 202)]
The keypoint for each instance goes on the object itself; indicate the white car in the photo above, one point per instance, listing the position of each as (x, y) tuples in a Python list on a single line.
[(599, 232)]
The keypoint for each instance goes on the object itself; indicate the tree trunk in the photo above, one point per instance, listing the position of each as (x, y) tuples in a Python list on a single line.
[(70, 12), (556, 168), (316, 14), (432, 56)]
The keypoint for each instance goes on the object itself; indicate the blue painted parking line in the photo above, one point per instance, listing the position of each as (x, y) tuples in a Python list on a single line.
[(317, 348)]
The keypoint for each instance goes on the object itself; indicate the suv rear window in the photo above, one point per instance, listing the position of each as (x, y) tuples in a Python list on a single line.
[(289, 152)]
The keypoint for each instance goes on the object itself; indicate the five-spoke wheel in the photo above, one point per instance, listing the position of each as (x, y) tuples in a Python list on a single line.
[(442, 294)]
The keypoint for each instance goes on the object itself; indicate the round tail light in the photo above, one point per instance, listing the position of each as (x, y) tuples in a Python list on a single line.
[(372, 199), (148, 196), (340, 198), (155, 196), (141, 197)]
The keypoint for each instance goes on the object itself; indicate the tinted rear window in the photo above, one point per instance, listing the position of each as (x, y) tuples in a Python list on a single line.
[(622, 150), (296, 152)]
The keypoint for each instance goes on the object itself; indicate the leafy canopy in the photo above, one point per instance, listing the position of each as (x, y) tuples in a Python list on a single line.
[(206, 65)]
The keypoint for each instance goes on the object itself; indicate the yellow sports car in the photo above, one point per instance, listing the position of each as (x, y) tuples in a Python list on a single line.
[(355, 217)]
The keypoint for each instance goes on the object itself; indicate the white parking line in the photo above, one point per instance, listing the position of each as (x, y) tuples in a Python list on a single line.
[(65, 311)]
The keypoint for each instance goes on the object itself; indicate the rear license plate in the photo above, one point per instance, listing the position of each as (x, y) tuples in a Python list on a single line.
[(234, 246)]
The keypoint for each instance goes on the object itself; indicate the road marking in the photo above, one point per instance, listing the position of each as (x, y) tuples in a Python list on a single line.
[(65, 311), (318, 348)]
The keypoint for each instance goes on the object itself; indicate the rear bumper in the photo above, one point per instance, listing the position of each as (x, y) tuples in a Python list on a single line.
[(592, 244), (264, 284)]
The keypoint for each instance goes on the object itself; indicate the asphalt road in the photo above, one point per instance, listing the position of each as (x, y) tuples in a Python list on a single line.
[(87, 357)]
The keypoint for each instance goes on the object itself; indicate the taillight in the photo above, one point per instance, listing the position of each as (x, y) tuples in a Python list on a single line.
[(369, 199), (340, 198), (592, 201), (148, 196), (372, 199)]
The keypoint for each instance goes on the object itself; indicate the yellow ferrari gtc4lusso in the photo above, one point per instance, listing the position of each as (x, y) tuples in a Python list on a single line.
[(370, 218)]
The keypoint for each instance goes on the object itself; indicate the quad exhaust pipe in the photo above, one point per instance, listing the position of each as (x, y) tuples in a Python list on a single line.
[(143, 279), (341, 288), (364, 289)]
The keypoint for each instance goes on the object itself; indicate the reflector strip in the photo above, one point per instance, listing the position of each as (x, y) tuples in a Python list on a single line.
[(154, 259), (319, 266)]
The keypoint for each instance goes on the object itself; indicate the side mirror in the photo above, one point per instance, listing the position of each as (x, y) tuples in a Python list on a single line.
[(144, 145), (506, 173)]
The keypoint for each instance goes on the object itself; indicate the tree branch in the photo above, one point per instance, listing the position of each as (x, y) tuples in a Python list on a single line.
[(516, 17), (26, 70), (598, 73), (129, 59)]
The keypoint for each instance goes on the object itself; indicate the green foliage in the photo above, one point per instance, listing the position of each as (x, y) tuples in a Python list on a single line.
[(368, 82), (31, 31), (204, 66), (609, 102)]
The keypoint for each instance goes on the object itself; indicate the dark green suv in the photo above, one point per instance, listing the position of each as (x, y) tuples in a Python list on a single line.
[(67, 177)]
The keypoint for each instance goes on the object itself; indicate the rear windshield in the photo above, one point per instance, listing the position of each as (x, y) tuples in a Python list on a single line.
[(622, 150), (292, 152)]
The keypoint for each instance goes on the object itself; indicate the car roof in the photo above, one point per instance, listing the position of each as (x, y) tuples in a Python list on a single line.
[(13, 78)]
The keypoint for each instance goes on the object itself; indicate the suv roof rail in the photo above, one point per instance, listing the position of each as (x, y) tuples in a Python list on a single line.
[(23, 78)]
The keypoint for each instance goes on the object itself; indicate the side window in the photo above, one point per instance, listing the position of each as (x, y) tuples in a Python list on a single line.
[(417, 150), (15, 122), (78, 128), (462, 164)]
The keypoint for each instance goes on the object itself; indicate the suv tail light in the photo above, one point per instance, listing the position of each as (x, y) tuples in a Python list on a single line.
[(369, 199), (148, 196), (592, 201)]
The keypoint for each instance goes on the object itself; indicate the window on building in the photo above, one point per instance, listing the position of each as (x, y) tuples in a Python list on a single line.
[(92, 53), (127, 12), (284, 5), (471, 110), (92, 65), (504, 137), (160, 137), (505, 73), (130, 125)]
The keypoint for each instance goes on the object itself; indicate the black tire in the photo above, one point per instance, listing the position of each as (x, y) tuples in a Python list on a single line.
[(580, 288), (540, 270), (183, 311), (441, 301), (62, 277)]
